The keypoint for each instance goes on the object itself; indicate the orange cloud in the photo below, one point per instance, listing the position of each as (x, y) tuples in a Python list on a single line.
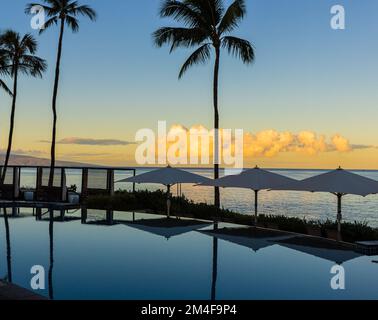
[(270, 143)]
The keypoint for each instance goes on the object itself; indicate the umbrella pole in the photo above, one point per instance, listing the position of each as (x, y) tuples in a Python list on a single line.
[(256, 206), (168, 201), (339, 216)]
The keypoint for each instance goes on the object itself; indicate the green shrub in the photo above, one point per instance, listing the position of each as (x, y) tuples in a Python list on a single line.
[(156, 202)]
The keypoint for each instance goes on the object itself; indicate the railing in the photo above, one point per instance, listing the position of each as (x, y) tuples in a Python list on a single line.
[(94, 181)]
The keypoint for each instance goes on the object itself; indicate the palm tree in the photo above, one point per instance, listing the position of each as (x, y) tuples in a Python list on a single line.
[(20, 53), (64, 12), (3, 71), (206, 26)]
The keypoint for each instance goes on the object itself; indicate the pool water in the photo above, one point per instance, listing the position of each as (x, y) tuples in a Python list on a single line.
[(92, 261)]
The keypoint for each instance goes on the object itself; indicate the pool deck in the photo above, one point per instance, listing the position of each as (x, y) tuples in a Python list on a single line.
[(38, 205), (10, 291), (368, 247)]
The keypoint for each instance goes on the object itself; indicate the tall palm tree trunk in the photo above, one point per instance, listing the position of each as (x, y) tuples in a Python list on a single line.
[(216, 126), (55, 94), (11, 127)]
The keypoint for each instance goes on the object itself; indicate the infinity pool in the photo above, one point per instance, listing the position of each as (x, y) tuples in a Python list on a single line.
[(129, 261)]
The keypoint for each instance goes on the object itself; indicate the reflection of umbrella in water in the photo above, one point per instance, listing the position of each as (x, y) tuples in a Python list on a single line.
[(320, 248), (159, 227), (254, 179), (255, 244), (338, 182), (169, 177)]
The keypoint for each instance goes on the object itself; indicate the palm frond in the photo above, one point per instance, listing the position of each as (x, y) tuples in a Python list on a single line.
[(52, 21), (56, 3), (49, 11), (210, 10), (83, 10), (4, 86), (200, 56), (205, 23), (28, 43), (184, 37), (3, 61), (232, 17), (239, 48), (32, 65), (9, 41), (72, 23), (181, 12)]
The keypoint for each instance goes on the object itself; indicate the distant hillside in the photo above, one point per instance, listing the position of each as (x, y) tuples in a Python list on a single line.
[(19, 160)]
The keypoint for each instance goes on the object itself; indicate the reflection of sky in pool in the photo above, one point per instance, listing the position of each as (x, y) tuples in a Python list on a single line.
[(124, 262)]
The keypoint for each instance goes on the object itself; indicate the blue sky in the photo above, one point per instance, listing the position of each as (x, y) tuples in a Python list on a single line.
[(114, 81)]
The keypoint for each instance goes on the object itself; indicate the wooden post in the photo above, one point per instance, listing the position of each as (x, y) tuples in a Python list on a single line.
[(84, 183), (110, 182), (63, 185), (39, 179), (134, 174), (16, 183)]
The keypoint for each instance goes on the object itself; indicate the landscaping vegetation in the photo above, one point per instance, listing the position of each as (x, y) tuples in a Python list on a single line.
[(155, 202)]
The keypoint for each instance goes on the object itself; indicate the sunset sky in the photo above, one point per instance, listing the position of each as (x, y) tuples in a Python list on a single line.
[(309, 82)]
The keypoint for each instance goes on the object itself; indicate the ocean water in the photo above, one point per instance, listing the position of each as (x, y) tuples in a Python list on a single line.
[(312, 206)]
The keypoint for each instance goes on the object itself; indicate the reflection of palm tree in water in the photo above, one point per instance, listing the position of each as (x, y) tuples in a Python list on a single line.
[(215, 269), (51, 238), (8, 278), (7, 236)]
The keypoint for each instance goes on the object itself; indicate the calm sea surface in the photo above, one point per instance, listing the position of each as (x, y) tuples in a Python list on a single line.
[(298, 204)]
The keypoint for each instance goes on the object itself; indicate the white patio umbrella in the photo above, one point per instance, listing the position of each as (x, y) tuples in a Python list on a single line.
[(255, 179), (169, 177), (338, 182)]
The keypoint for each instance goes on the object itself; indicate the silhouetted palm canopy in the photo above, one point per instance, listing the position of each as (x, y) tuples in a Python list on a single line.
[(68, 10), (19, 54), (207, 24)]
